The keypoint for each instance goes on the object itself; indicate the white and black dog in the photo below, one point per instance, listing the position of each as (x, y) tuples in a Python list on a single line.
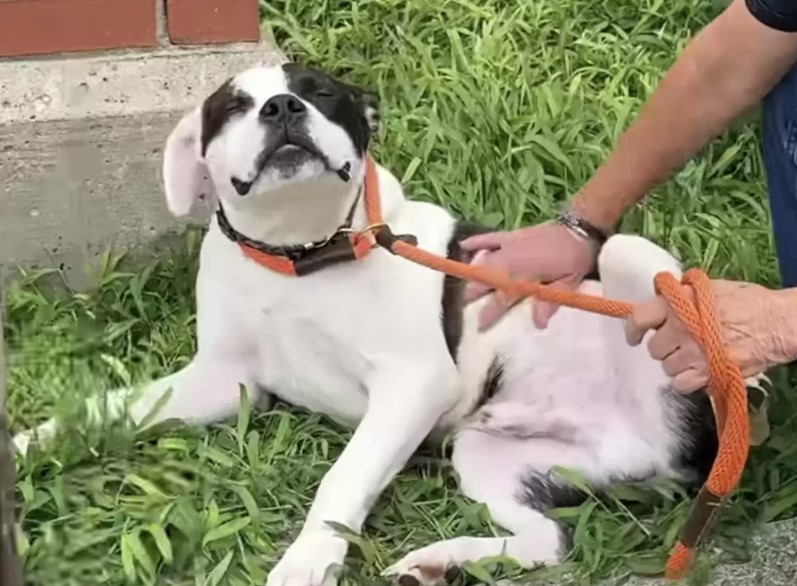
[(390, 348)]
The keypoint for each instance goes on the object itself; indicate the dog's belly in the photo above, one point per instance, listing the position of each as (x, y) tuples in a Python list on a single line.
[(565, 382)]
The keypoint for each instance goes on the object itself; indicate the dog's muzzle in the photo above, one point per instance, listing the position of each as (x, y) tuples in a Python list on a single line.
[(286, 116)]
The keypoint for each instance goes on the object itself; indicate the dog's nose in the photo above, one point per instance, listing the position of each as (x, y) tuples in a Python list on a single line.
[(283, 107)]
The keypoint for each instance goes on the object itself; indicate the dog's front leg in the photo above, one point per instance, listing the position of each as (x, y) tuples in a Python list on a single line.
[(204, 391), (403, 408)]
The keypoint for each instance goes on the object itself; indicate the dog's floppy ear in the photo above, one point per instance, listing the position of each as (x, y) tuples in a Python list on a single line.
[(371, 103), (185, 174)]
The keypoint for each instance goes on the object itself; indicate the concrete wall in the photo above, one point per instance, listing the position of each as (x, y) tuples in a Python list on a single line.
[(81, 133), (81, 143)]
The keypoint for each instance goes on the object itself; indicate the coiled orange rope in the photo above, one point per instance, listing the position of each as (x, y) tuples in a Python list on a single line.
[(726, 386)]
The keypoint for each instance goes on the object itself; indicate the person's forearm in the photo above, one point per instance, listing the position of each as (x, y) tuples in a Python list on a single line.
[(784, 310), (727, 68)]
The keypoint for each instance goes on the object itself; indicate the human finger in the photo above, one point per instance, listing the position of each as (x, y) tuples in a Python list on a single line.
[(543, 311), (667, 339), (680, 360), (645, 317), (488, 241), (689, 381), (494, 310), (475, 290)]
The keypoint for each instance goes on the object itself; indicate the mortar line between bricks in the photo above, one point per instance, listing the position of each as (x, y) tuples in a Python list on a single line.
[(161, 24), (134, 54)]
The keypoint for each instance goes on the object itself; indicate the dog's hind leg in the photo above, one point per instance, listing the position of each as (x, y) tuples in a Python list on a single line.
[(500, 472), (203, 392)]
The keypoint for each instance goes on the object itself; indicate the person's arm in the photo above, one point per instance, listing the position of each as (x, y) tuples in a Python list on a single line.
[(785, 312), (727, 68)]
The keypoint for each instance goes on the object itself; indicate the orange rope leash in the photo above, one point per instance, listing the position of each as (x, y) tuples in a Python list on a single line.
[(726, 387)]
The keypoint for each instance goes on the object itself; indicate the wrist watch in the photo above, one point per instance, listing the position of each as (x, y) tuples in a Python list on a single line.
[(580, 226)]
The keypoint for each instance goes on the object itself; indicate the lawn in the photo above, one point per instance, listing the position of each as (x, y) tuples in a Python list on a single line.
[(497, 110)]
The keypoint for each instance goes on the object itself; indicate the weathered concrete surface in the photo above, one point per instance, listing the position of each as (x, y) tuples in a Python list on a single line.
[(774, 563), (81, 143)]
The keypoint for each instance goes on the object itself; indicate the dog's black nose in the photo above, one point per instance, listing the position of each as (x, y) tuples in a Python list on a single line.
[(283, 107)]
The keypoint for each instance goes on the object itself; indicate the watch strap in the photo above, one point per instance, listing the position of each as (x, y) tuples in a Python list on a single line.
[(582, 227)]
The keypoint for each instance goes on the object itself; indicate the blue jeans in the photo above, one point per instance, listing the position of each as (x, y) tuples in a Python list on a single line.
[(780, 160)]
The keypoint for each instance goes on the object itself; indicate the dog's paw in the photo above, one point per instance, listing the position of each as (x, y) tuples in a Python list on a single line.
[(756, 382), (312, 560), (41, 434), (629, 264), (434, 565), (22, 441)]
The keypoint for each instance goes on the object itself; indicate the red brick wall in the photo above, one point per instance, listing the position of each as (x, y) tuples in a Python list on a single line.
[(40, 27), (212, 21)]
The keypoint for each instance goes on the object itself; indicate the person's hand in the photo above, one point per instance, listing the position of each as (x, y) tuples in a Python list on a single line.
[(756, 324), (549, 253)]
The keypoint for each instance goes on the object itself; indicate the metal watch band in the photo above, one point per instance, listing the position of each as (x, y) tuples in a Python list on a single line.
[(581, 226)]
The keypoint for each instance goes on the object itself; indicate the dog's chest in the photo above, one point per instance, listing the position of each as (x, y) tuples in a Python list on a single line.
[(319, 339), (312, 361)]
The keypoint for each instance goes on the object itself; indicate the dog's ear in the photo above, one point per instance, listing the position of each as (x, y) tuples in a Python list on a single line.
[(185, 175), (370, 102)]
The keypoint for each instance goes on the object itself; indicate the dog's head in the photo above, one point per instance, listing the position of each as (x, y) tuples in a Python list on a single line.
[(265, 129)]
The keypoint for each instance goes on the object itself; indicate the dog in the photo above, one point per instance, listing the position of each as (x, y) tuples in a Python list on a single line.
[(390, 348)]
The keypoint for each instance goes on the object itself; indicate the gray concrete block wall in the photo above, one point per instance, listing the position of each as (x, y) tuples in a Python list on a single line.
[(81, 141)]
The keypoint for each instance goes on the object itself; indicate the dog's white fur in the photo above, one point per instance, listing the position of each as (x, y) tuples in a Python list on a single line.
[(363, 343)]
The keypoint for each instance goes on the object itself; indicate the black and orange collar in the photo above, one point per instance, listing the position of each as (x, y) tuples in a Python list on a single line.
[(345, 245)]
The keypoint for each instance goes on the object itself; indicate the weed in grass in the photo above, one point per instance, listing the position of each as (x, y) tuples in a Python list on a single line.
[(497, 110)]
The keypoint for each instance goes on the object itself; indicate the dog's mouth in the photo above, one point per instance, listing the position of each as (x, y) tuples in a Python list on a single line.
[(291, 149)]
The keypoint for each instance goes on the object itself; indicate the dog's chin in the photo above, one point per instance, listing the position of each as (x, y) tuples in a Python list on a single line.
[(289, 160), (288, 165)]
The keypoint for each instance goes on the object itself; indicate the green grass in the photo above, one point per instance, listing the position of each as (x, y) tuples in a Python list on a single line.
[(495, 109)]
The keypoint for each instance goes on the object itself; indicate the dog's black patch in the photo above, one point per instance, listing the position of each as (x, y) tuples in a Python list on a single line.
[(453, 307), (542, 492), (700, 428), (454, 289), (492, 383), (341, 103), (219, 107)]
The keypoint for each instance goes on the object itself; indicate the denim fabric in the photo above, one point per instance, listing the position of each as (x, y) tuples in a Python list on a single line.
[(780, 159)]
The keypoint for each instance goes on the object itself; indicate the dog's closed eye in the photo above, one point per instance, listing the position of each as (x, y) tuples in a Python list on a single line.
[(237, 104)]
